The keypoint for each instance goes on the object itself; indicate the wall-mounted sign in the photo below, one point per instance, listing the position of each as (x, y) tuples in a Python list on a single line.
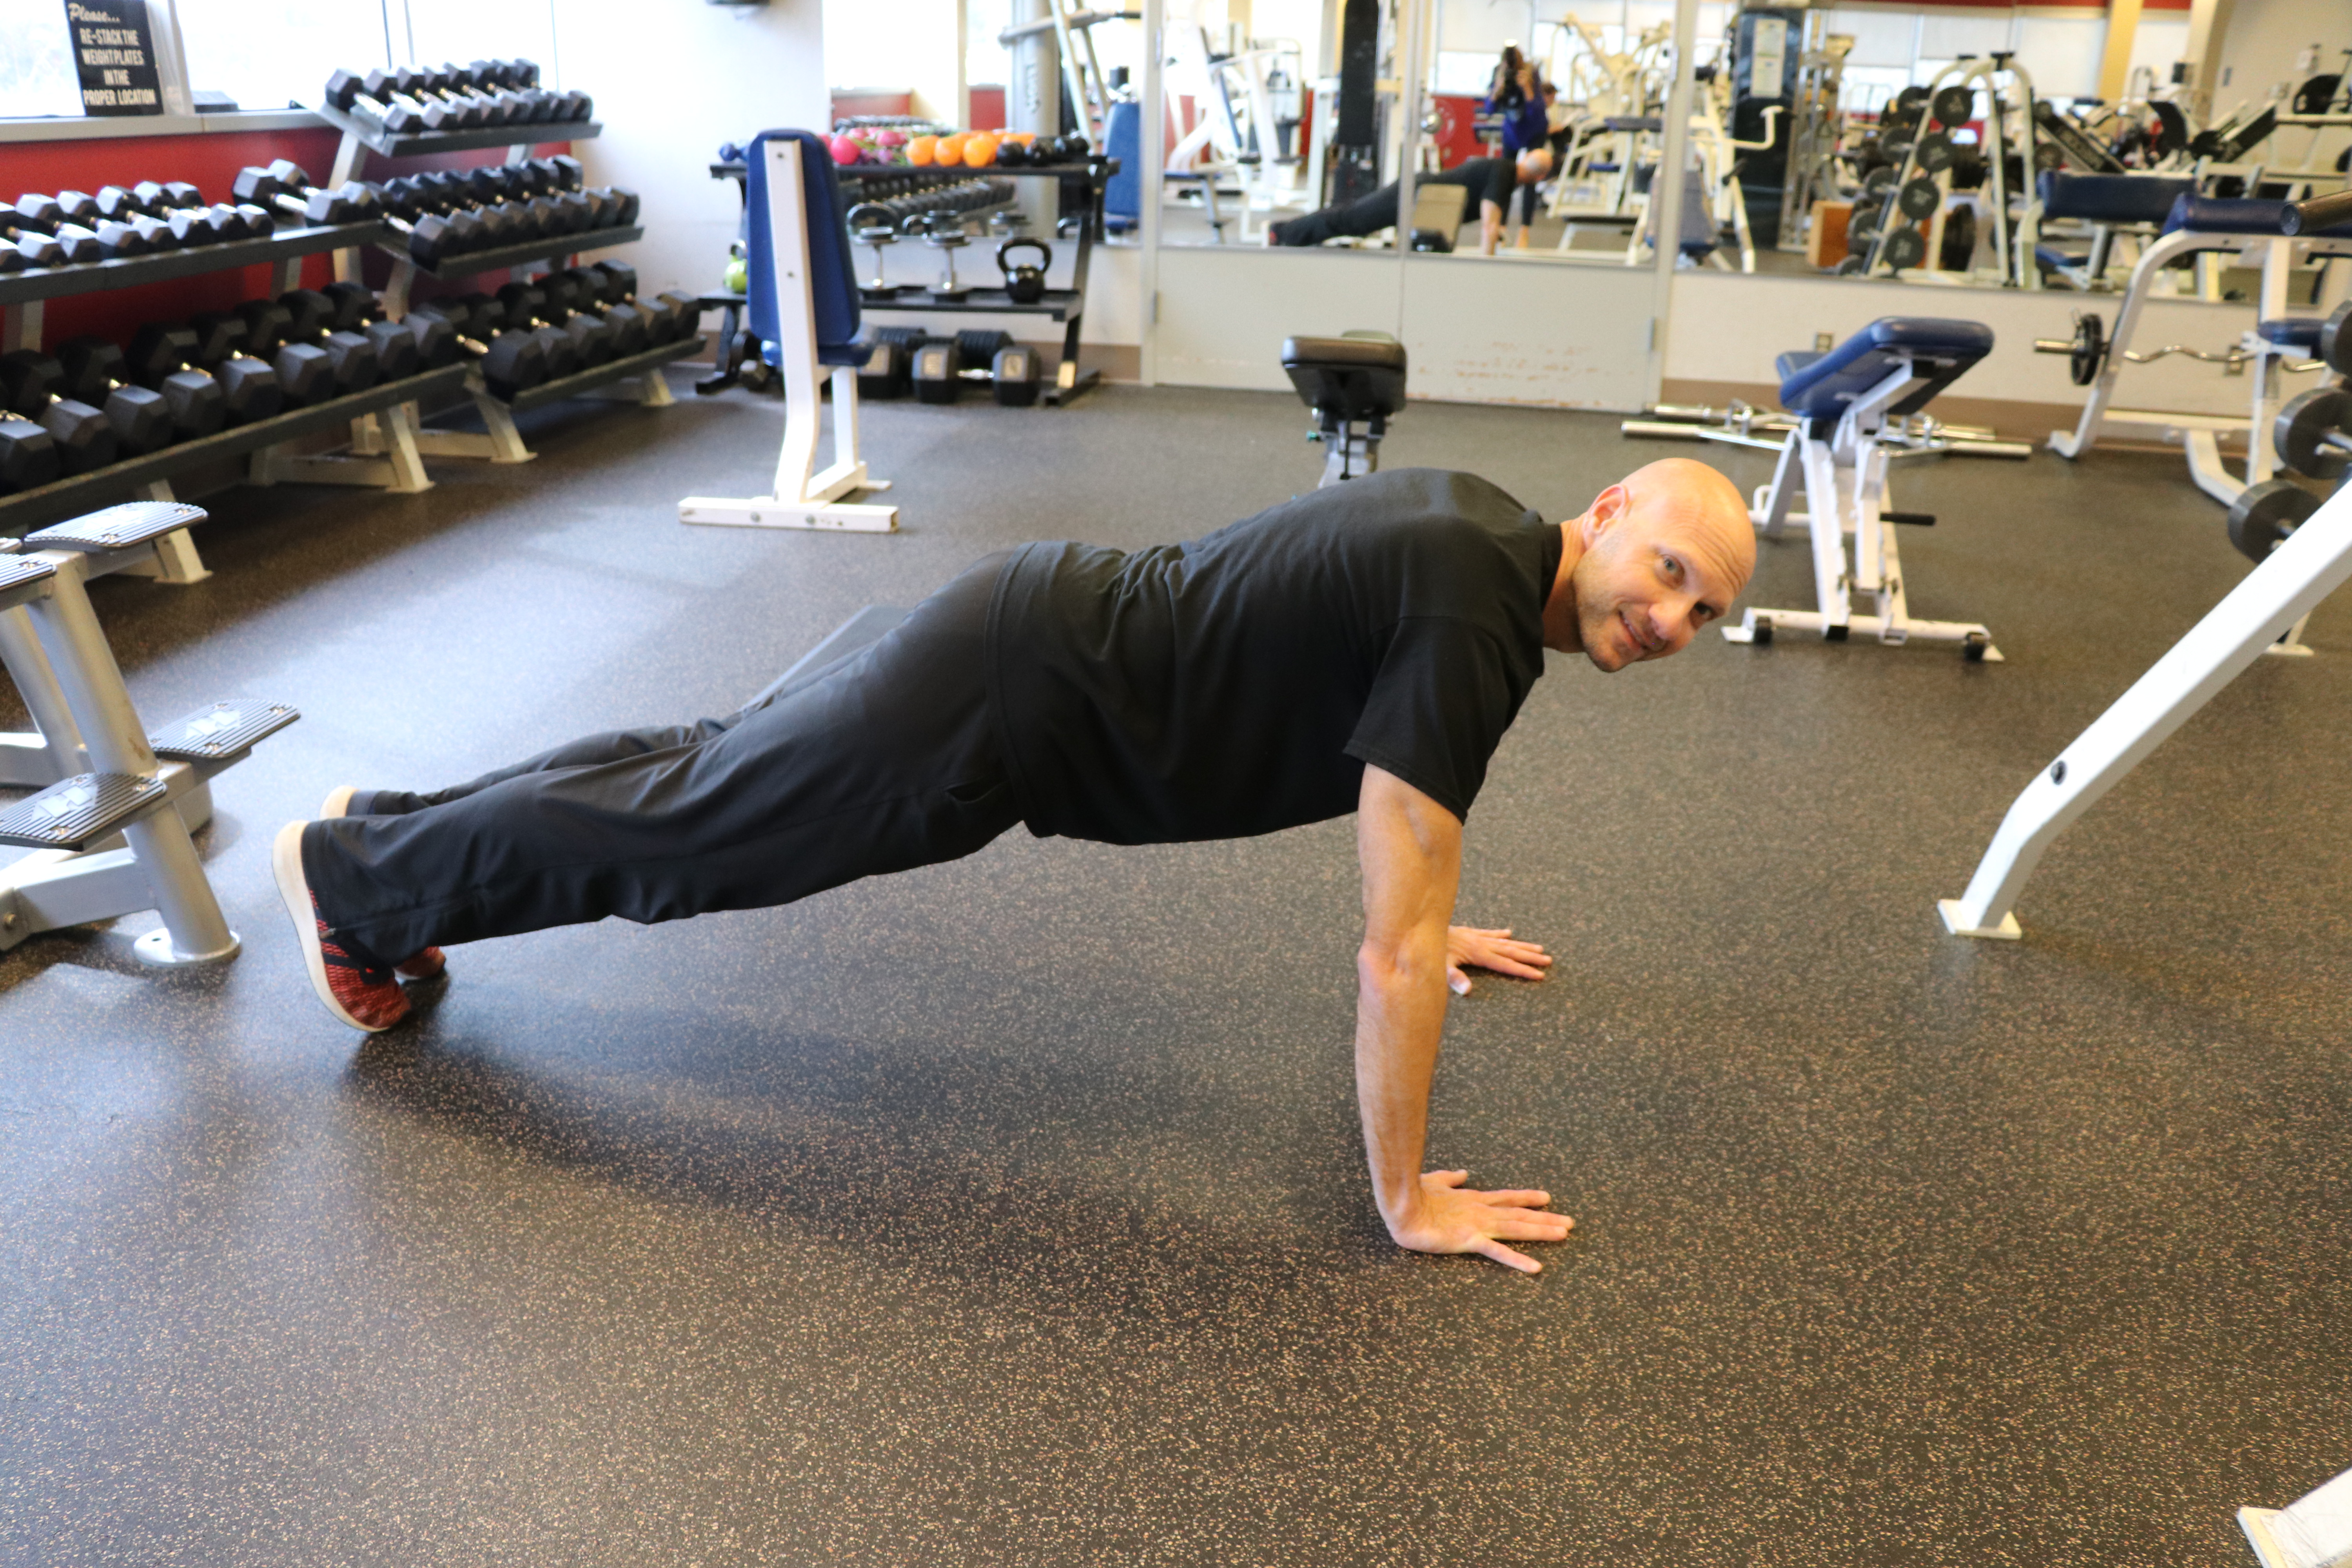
[(114, 49)]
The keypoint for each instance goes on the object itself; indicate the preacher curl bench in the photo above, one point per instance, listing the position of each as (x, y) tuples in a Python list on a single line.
[(1842, 400)]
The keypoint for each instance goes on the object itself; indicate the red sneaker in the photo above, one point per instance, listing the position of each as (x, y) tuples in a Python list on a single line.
[(429, 964), (357, 990)]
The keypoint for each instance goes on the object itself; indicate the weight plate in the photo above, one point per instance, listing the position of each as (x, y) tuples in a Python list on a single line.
[(2090, 354), (1879, 179), (1911, 96), (2046, 156), (1935, 154), (1852, 265), (1959, 247), (2335, 340), (1954, 106), (1905, 248), (1862, 227), (2299, 434), (1918, 199), (2265, 514)]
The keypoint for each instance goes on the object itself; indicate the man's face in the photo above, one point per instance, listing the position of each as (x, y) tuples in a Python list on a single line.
[(1534, 164), (1645, 585)]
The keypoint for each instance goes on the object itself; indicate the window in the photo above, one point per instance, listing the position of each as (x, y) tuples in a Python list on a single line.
[(269, 54), (36, 67)]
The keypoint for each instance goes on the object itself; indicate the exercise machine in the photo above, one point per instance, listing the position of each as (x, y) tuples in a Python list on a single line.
[(1355, 384), (1838, 453), (2309, 563), (109, 831), (2202, 225), (801, 298), (2313, 1532)]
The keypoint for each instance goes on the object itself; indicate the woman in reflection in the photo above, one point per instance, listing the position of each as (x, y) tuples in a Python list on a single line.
[(1519, 93)]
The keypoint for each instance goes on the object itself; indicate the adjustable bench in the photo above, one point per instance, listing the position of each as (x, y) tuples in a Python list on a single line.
[(109, 833), (801, 299), (1354, 382), (2109, 203), (1842, 400), (2195, 226)]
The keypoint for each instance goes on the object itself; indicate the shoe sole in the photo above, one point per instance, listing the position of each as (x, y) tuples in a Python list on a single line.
[(294, 892), (339, 801)]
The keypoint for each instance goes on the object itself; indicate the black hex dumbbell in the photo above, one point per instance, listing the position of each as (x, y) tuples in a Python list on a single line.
[(78, 242), (552, 302), (305, 374), (352, 94), (29, 454), (284, 186), (178, 208), (93, 372), (631, 326), (250, 388), (85, 437), (162, 359), (509, 361), (356, 310), (90, 213), (311, 318)]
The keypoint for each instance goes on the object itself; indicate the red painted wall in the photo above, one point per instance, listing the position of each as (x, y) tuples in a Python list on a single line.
[(987, 108), (210, 163)]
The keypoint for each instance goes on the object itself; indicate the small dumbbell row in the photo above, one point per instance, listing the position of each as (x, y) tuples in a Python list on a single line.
[(408, 99), (75, 226), (452, 211)]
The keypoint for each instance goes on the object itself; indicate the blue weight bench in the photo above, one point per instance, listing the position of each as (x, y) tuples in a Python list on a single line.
[(2109, 205), (109, 833), (800, 295), (1842, 401), (2200, 228)]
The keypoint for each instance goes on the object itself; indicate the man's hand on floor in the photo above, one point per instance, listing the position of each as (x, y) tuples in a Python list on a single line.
[(1468, 947), (1451, 1217)]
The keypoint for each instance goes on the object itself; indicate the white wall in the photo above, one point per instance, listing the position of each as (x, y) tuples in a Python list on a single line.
[(669, 94)]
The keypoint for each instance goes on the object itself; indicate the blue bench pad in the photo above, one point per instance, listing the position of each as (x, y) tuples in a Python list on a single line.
[(1828, 383), (2237, 215), (2293, 331), (2114, 199)]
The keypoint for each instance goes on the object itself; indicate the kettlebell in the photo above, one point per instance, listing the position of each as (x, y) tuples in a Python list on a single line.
[(1024, 284)]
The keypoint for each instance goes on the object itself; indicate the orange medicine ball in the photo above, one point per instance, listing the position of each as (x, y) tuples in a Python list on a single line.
[(921, 148), (980, 149)]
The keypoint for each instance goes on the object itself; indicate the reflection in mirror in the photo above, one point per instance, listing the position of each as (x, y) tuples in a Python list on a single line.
[(1274, 108), (2024, 148)]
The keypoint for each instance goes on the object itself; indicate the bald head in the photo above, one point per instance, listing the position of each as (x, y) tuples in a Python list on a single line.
[(1657, 556)]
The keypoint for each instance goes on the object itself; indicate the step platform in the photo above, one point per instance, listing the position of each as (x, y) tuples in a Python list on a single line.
[(221, 730), (77, 810), (20, 579), (123, 527)]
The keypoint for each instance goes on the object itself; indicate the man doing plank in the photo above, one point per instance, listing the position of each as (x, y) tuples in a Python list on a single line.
[(1359, 649)]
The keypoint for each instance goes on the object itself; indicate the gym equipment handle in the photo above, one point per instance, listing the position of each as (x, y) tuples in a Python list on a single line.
[(2319, 213)]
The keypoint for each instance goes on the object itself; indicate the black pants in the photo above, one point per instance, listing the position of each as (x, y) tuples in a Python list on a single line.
[(887, 762), (1365, 215)]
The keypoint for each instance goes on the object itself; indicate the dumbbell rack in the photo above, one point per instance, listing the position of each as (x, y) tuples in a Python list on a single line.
[(22, 296), (1065, 305), (499, 441)]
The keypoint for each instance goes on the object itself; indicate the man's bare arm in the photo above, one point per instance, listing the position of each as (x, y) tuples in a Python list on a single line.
[(1411, 849), (1490, 227)]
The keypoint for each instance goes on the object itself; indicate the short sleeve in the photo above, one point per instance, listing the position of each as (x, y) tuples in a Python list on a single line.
[(1438, 709), (1500, 180)]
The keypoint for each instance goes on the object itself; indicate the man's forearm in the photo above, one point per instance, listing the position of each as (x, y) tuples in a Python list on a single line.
[(1399, 1015), (1490, 227)]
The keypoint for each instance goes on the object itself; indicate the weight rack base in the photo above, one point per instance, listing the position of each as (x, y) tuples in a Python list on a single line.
[(467, 263), (610, 370)]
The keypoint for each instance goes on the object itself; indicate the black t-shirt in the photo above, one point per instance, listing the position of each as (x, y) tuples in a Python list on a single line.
[(1238, 684), (1492, 178)]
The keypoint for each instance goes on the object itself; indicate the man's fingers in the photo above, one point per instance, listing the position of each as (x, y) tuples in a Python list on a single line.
[(1521, 1197), (1446, 1178), (1532, 1224), (1509, 1258)]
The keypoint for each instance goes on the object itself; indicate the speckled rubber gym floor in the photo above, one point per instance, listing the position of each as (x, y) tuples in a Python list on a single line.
[(1011, 1211)]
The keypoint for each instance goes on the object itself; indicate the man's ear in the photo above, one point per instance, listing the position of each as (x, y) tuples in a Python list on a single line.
[(1608, 508)]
